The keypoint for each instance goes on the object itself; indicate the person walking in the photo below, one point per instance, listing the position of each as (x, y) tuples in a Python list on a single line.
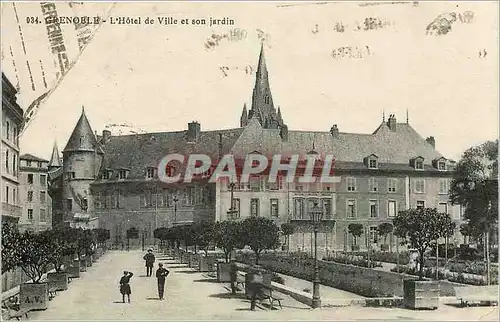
[(255, 282), (234, 276), (161, 275), (150, 260), (125, 285)]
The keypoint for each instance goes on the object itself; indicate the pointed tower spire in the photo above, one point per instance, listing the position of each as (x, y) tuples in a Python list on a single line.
[(244, 116), (55, 162), (279, 117), (82, 138), (262, 100)]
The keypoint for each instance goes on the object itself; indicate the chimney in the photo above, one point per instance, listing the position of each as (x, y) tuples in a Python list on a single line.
[(391, 123), (221, 146), (193, 131), (106, 134), (284, 133), (431, 141), (334, 131)]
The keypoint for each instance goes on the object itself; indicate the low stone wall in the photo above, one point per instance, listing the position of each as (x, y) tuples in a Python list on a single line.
[(355, 279)]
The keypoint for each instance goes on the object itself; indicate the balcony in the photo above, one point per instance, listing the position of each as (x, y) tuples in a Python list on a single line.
[(307, 217), (11, 210)]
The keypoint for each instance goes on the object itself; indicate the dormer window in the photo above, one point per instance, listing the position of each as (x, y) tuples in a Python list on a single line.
[(442, 166), (371, 161), (107, 174), (123, 174), (150, 173), (170, 170), (439, 163), (417, 163)]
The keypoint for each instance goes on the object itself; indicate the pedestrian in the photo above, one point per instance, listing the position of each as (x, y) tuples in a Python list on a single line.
[(125, 285), (255, 282), (150, 260), (161, 275), (234, 276)]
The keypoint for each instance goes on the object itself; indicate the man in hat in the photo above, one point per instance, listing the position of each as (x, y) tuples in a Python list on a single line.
[(150, 260), (161, 275)]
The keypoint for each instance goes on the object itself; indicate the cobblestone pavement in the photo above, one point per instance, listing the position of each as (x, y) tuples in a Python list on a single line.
[(191, 295)]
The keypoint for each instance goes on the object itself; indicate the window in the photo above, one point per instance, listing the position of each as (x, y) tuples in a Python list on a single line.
[(255, 183), (373, 208), (392, 210), (442, 166), (7, 161), (327, 208), (14, 196), (30, 178), (118, 200), (123, 174), (299, 208), (69, 204), (373, 183), (7, 194), (443, 186), (391, 185), (28, 163), (274, 208), (43, 180), (420, 204), (266, 99), (14, 165), (274, 185), (170, 170), (150, 173), (254, 207), (30, 196), (236, 207), (189, 196), (351, 184), (43, 215), (372, 164), (85, 204), (373, 231), (15, 138), (40, 164), (419, 164), (70, 175), (419, 185), (7, 129), (351, 208), (443, 207), (42, 196), (148, 199), (462, 212), (30, 214), (106, 174)]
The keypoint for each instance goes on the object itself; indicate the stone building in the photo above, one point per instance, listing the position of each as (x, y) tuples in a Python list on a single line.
[(12, 124), (115, 178), (34, 197)]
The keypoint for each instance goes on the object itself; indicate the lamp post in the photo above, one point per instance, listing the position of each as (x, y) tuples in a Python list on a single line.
[(175, 209), (232, 210), (316, 214), (143, 236)]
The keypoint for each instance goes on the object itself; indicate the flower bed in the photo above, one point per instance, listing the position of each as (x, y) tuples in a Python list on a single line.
[(386, 257), (353, 260)]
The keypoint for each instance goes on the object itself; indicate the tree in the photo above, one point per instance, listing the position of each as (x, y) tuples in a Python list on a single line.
[(385, 229), (356, 230), (470, 231), (10, 239), (101, 235), (203, 234), (287, 229), (162, 234), (422, 227), (475, 186), (228, 236), (85, 243), (260, 233), (64, 243), (33, 252)]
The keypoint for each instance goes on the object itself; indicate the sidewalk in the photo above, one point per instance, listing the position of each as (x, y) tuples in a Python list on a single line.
[(191, 295)]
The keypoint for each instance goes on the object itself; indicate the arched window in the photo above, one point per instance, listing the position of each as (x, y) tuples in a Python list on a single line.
[(266, 99)]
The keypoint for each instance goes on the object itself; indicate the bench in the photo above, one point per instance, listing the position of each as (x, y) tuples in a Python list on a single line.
[(482, 294), (52, 290), (266, 293), (14, 311)]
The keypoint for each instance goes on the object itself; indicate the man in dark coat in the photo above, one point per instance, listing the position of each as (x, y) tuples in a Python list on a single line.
[(234, 276), (255, 284), (125, 285), (150, 260), (161, 275)]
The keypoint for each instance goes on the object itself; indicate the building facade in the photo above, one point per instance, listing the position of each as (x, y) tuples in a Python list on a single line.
[(34, 197), (378, 174), (12, 123)]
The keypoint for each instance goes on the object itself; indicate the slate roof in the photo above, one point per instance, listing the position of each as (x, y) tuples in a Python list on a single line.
[(31, 157), (82, 138), (136, 152)]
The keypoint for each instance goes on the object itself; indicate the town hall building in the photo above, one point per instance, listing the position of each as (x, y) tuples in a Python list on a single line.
[(112, 181)]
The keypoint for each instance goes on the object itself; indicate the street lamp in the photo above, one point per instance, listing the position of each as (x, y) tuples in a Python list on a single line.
[(316, 214), (175, 209), (143, 236), (232, 210)]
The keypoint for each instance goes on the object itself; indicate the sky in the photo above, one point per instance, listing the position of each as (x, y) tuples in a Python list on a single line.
[(160, 77)]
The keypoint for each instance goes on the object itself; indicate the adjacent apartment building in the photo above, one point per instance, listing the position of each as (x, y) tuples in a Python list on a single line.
[(12, 123), (115, 178), (34, 196)]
